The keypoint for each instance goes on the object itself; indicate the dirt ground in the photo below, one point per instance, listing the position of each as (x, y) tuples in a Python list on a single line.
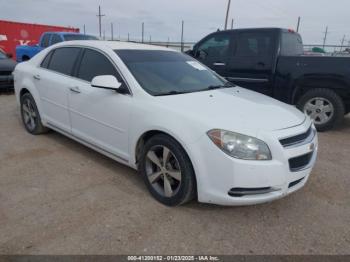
[(59, 197)]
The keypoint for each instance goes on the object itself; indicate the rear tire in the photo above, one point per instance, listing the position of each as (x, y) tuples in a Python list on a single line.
[(30, 115), (167, 171), (324, 106)]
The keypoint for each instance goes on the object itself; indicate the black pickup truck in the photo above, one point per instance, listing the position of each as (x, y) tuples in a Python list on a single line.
[(272, 61)]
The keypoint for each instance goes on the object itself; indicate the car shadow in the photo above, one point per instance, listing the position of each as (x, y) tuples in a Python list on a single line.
[(117, 168)]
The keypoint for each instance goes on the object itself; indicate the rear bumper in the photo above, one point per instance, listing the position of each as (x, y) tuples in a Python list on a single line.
[(6, 82)]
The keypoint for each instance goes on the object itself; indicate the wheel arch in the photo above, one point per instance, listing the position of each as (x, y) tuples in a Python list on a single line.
[(28, 87), (306, 83), (146, 135), (153, 132)]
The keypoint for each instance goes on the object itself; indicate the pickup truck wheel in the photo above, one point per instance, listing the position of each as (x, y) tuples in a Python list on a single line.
[(324, 106), (30, 115), (167, 171)]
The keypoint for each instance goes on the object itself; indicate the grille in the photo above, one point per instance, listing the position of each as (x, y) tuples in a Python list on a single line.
[(300, 162), (5, 73), (296, 139)]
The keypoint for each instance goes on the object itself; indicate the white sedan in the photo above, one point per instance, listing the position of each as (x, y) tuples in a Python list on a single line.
[(190, 133)]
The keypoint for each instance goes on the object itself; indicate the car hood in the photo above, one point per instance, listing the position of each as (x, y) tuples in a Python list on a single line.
[(235, 109), (7, 65)]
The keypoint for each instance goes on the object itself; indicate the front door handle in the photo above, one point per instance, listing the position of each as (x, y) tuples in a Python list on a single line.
[(75, 89), (219, 64), (36, 77)]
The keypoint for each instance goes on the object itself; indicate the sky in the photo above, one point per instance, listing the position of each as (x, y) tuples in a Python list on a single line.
[(163, 18)]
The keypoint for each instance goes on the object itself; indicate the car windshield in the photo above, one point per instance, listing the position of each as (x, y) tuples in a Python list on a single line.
[(2, 55), (72, 37), (169, 73)]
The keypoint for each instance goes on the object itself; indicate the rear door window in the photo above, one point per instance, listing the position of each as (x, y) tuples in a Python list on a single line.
[(63, 60), (254, 44), (292, 44)]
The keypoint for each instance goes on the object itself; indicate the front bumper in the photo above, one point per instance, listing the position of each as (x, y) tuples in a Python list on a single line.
[(6, 81), (221, 179)]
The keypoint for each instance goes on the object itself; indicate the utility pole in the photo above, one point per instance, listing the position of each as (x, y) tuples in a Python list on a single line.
[(143, 31), (84, 30), (104, 35), (325, 37), (182, 36), (100, 19), (342, 43), (112, 32), (227, 13), (128, 37), (232, 21), (150, 39), (298, 25)]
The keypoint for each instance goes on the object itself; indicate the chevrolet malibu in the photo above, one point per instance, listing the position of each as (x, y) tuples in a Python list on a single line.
[(190, 133)]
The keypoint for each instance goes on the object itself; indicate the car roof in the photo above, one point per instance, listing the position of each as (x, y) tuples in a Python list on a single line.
[(114, 45), (64, 33), (258, 29)]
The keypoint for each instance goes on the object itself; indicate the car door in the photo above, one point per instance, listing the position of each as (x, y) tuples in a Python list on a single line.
[(53, 80), (214, 51), (99, 116), (251, 65)]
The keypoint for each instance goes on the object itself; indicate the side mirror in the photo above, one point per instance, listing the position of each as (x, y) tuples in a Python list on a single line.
[(106, 82), (190, 52), (9, 55)]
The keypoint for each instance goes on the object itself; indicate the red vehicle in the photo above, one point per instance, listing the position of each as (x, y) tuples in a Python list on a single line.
[(13, 34)]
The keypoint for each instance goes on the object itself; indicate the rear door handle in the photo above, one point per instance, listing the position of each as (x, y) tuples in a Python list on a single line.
[(75, 89), (219, 64), (36, 77)]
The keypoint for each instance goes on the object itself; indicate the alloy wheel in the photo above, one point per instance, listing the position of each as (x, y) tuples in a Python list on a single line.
[(321, 110), (29, 114), (163, 171)]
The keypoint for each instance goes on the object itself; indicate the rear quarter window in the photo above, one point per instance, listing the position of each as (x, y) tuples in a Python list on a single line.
[(46, 61)]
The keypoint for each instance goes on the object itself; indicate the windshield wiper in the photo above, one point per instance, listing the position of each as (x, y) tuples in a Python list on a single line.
[(226, 85), (171, 93)]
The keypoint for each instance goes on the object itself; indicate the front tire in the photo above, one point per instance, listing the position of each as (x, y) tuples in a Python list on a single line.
[(30, 115), (167, 171), (324, 106)]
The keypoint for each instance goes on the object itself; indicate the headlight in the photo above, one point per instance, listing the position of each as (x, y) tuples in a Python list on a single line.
[(240, 146)]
